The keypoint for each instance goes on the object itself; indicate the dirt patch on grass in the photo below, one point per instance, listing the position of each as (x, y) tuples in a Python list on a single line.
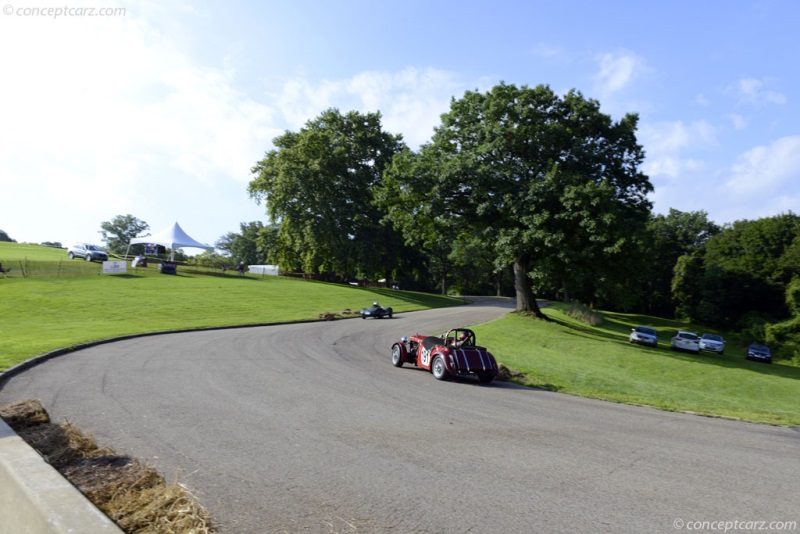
[(130, 492)]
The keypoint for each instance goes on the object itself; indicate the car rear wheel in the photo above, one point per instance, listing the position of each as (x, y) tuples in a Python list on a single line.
[(390, 315), (438, 369), (397, 356), (71, 256)]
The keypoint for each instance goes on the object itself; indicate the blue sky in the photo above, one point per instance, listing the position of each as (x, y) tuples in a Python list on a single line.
[(160, 109)]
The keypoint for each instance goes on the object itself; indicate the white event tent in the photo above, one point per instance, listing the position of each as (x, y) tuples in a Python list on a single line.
[(173, 237)]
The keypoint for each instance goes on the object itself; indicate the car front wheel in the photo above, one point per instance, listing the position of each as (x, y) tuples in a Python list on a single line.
[(88, 257), (438, 369), (397, 356)]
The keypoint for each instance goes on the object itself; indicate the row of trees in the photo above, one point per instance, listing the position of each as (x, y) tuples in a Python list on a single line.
[(5, 237), (544, 185), (523, 192), (518, 190)]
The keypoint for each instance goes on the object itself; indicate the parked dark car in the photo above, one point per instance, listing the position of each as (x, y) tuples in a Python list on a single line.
[(759, 353)]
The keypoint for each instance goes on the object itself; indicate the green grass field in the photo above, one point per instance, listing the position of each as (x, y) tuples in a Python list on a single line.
[(42, 313), (598, 362)]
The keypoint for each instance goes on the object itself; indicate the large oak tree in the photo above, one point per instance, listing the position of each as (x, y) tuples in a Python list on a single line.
[(318, 184), (551, 181)]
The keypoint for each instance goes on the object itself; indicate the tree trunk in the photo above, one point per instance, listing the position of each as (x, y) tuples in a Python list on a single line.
[(567, 298), (526, 302)]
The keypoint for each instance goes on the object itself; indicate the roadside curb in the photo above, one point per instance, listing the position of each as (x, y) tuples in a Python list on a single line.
[(36, 499)]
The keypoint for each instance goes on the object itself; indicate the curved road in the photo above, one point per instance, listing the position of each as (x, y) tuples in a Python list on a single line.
[(309, 428)]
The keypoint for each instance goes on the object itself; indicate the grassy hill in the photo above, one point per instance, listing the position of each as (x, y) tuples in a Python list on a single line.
[(42, 313), (572, 357)]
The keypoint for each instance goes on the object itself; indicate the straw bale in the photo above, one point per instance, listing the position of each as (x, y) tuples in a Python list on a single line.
[(130, 492), (103, 478), (164, 509), (24, 413)]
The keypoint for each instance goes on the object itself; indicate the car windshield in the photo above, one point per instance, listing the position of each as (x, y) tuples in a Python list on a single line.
[(646, 330), (92, 247), (687, 335), (712, 337), (762, 348)]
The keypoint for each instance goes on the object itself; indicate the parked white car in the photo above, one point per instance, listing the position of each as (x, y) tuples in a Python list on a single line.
[(644, 335), (712, 343), (684, 340)]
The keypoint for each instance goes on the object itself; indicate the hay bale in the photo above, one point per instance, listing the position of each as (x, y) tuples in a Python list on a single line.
[(24, 414), (159, 509), (61, 444), (129, 492), (101, 479), (508, 374)]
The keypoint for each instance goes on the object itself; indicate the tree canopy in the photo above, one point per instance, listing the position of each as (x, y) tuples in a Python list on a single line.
[(743, 270), (118, 232), (244, 246), (552, 182), (318, 185)]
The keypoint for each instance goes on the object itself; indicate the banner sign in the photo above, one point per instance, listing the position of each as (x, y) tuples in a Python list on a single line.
[(113, 267)]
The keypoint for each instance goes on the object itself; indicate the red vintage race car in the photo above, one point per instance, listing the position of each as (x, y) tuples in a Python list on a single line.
[(454, 353)]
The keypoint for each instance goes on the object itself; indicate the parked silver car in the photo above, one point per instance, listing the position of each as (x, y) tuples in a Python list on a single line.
[(644, 335), (712, 343), (684, 340), (86, 251)]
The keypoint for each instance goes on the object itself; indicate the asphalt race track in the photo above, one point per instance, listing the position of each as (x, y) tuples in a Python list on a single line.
[(308, 428)]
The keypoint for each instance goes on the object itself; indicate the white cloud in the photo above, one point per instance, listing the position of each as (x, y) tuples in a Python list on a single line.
[(678, 177), (110, 114), (134, 93), (750, 91), (766, 171), (547, 51), (666, 139), (617, 72), (738, 122), (410, 101)]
